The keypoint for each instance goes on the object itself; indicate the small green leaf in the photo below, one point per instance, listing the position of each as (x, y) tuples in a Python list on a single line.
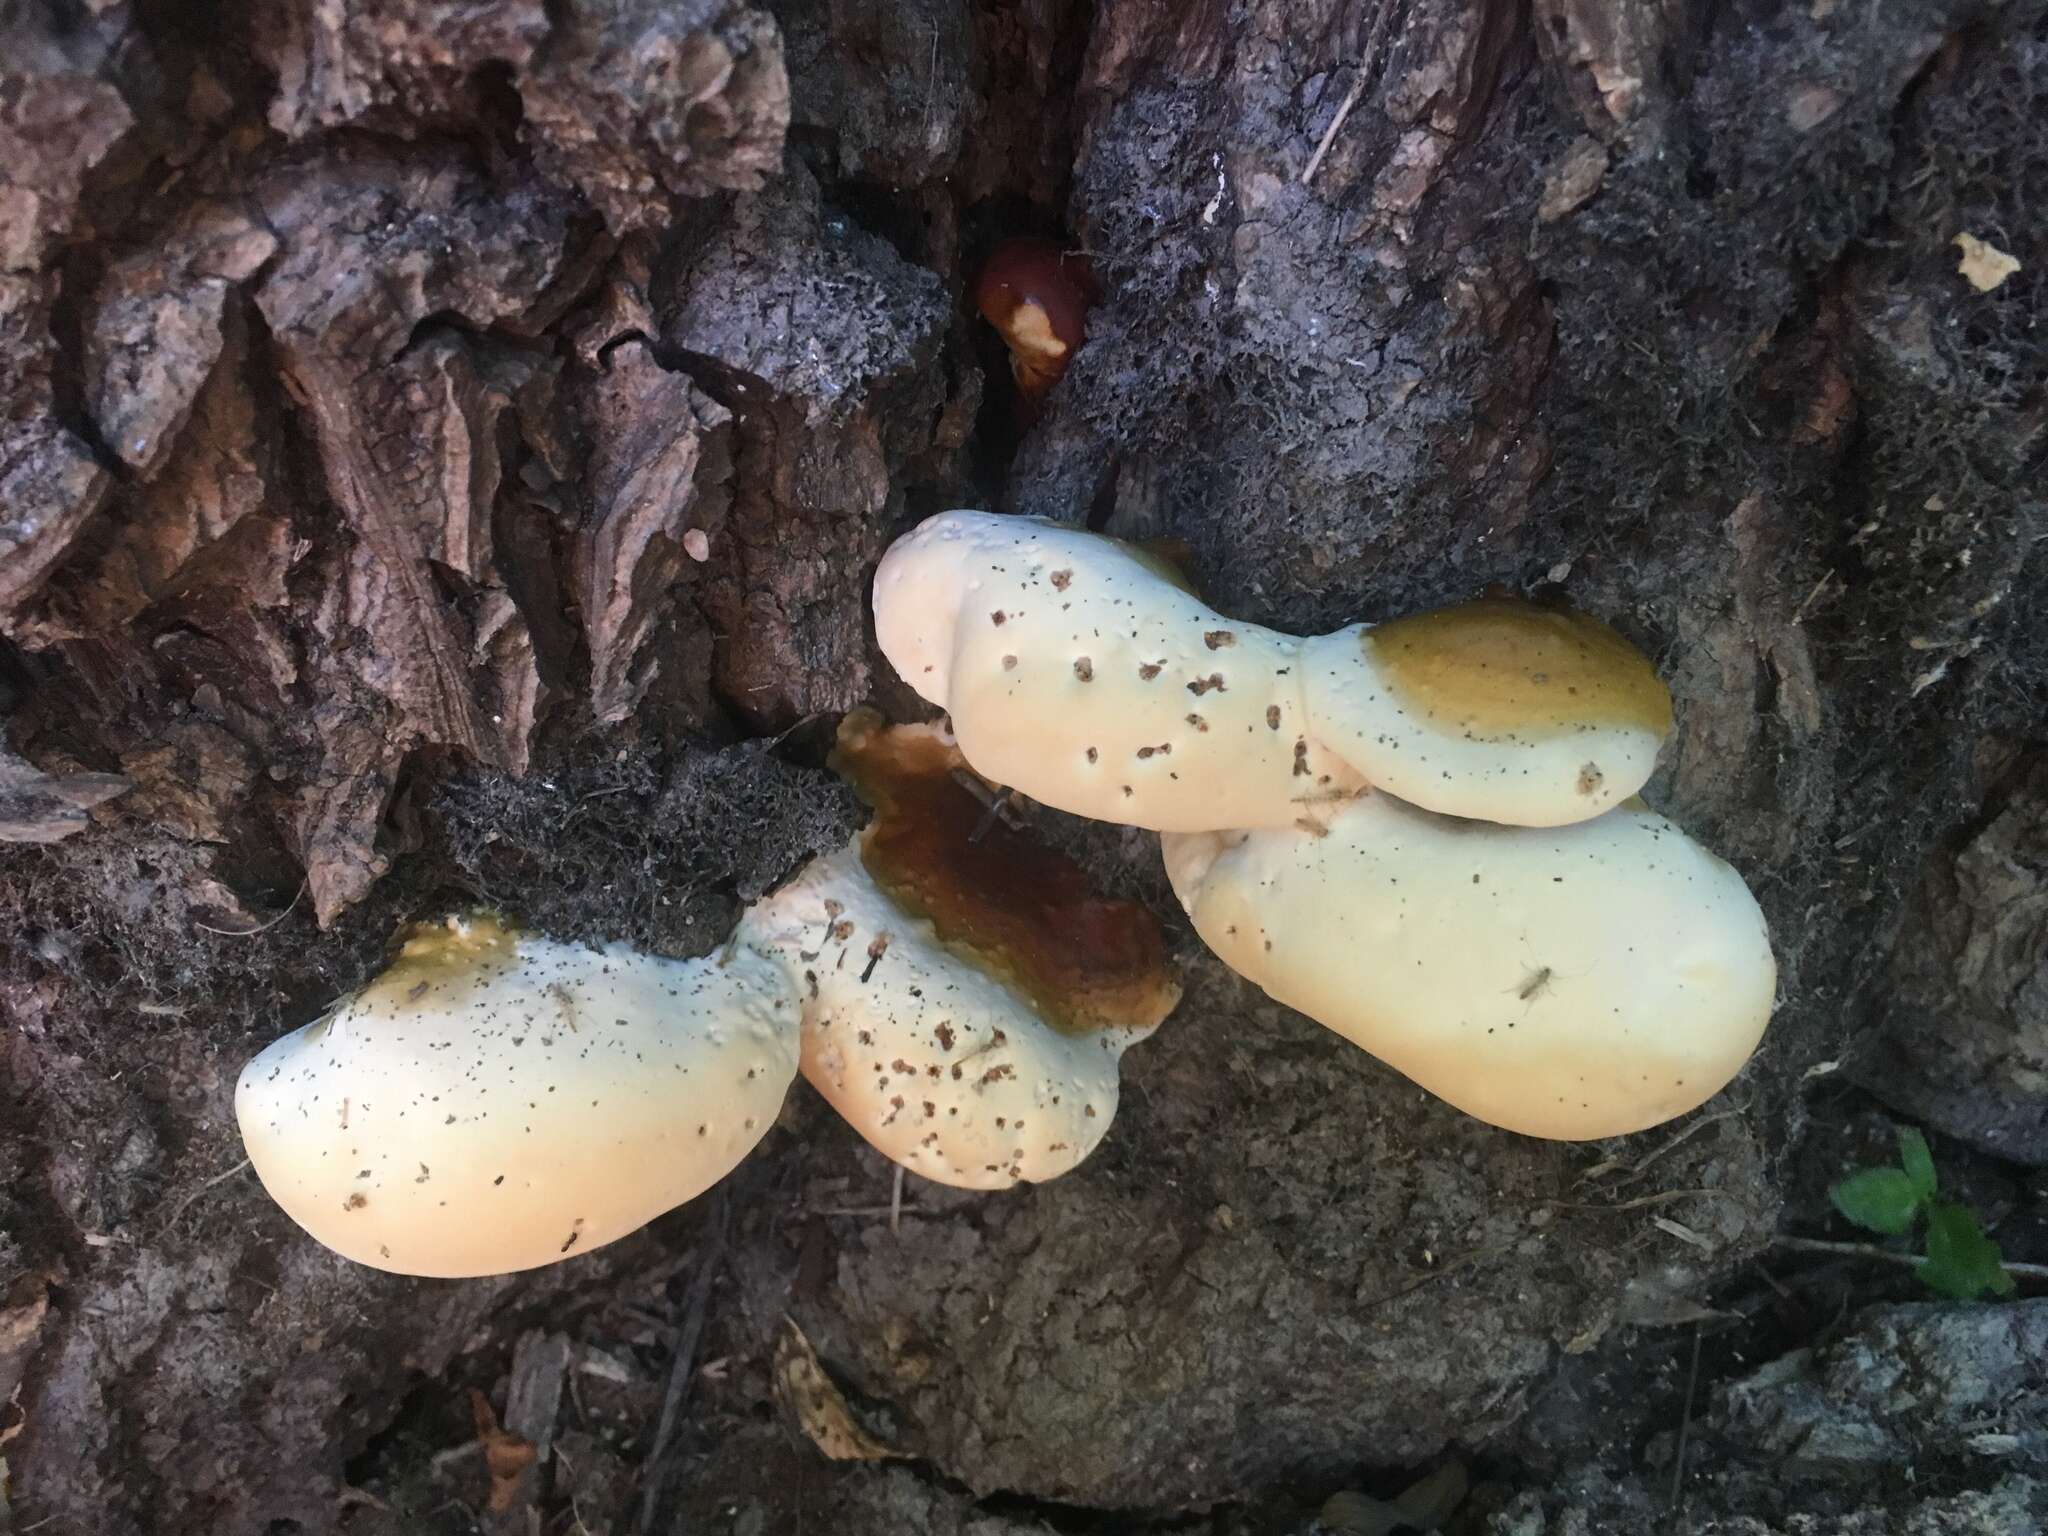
[(1918, 1161), (1961, 1261), (1881, 1199)]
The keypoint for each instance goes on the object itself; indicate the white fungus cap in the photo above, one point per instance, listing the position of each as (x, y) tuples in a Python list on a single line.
[(1573, 983), (1079, 670), (1497, 709), (938, 1064), (495, 1101), (966, 998)]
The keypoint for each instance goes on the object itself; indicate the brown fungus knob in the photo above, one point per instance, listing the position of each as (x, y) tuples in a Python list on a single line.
[(1036, 294)]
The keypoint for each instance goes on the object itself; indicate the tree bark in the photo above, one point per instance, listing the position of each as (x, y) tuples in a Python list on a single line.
[(444, 451)]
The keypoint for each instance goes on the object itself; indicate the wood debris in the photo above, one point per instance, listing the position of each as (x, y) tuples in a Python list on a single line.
[(816, 1404)]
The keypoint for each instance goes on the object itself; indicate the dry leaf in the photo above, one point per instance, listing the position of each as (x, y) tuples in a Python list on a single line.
[(1983, 263), (1586, 1338), (1680, 1231), (807, 1392), (507, 1456), (1661, 1299), (1431, 1500), (1424, 1506)]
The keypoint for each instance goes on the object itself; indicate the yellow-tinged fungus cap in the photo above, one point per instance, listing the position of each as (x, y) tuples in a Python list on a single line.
[(1498, 709), (496, 1101)]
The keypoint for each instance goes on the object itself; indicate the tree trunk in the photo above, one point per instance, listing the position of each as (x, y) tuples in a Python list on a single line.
[(445, 448)]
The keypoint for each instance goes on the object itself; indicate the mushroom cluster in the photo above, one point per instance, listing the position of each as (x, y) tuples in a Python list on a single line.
[(1423, 834), (496, 1100)]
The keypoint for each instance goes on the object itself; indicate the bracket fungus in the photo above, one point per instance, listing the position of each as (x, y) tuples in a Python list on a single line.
[(1081, 670), (496, 1101), (1037, 295), (1421, 833), (1570, 982), (966, 998)]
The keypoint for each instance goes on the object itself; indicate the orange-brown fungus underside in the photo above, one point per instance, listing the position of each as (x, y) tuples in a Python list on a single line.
[(1169, 559), (1501, 667), (1013, 907)]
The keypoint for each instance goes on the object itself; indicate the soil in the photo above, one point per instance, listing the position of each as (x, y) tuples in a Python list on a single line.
[(445, 449)]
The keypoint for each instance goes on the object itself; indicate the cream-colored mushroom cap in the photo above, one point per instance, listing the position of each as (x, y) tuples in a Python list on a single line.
[(496, 1101), (1081, 671), (1570, 982), (966, 1002), (1497, 709)]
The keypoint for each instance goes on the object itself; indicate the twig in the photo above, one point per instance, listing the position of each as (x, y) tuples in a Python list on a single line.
[(802, 721), (250, 933), (1365, 57), (1872, 1251), (1672, 1145), (829, 1211), (997, 800), (1818, 588), (990, 817), (686, 1354), (219, 1178), (1692, 1381), (896, 1202), (1775, 1284), (1663, 1197), (1315, 161)]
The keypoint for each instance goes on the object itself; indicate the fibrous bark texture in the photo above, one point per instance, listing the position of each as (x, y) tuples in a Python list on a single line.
[(443, 453)]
